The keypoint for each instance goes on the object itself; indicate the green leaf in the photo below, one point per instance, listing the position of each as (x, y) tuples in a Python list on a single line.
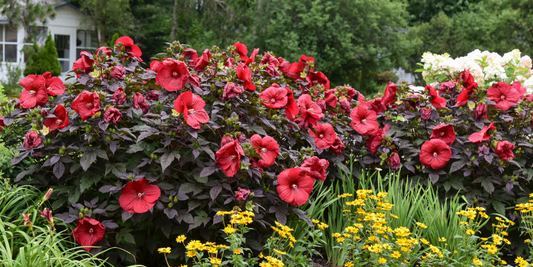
[(487, 184), (499, 207), (258, 129), (166, 159), (87, 159)]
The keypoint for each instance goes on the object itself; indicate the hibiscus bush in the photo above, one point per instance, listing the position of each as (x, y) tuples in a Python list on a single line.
[(137, 155)]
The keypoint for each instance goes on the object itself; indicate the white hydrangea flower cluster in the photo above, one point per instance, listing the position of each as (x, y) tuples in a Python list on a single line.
[(485, 71)]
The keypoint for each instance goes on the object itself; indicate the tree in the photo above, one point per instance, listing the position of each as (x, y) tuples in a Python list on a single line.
[(26, 12), (44, 59)]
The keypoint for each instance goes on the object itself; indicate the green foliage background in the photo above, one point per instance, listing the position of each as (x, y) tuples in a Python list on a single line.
[(44, 59)]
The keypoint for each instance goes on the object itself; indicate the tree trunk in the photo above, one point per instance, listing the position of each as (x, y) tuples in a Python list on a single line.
[(174, 29)]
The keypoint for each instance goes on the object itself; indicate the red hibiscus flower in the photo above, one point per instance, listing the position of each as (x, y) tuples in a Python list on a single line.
[(504, 95), (242, 50), (480, 111), (194, 80), (112, 114), (315, 78), (425, 114), (84, 64), (118, 96), (140, 103), (274, 97), (231, 90), (344, 105), (138, 196), (292, 108), (103, 51), (504, 150), (469, 84), (284, 66), (192, 107), (296, 68), (172, 75), (331, 98), (444, 132), (294, 186), (394, 161), (129, 46), (228, 158), (468, 79), (324, 135), (54, 85), (61, 119), (86, 104), (267, 147), (34, 92), (309, 110), (389, 97), (436, 100), (203, 61), (482, 135), (242, 194), (374, 141), (447, 87), (435, 154), (316, 168), (32, 140), (191, 56), (364, 121), (337, 146), (88, 232), (2, 124), (244, 73)]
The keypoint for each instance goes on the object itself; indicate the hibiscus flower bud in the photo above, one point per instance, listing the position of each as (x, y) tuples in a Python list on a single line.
[(118, 73), (483, 149), (241, 137), (226, 139), (44, 112), (153, 95), (447, 87), (119, 96), (394, 161), (242, 194), (344, 105), (32, 140), (103, 51), (140, 103), (504, 150), (337, 146), (48, 194), (425, 114), (321, 103), (480, 111), (112, 115), (231, 90)]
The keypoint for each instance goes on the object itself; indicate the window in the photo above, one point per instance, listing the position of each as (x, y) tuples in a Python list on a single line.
[(8, 44), (63, 51), (39, 34), (85, 41)]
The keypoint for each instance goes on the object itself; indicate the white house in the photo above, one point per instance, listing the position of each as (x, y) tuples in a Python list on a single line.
[(68, 29)]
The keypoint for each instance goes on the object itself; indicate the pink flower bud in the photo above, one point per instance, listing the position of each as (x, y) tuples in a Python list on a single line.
[(242, 194), (118, 73)]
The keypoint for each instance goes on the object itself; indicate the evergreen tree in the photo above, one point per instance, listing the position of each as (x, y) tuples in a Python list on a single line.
[(44, 59)]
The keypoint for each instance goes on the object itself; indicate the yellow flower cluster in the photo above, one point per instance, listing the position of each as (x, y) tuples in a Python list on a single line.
[(164, 250), (238, 217), (271, 262), (195, 246), (520, 262), (285, 233), (320, 225)]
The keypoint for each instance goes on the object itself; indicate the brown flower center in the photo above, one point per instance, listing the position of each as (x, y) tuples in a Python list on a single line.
[(139, 194), (435, 154), (441, 133), (91, 230), (175, 74), (294, 186), (363, 121), (32, 92), (89, 105), (272, 100)]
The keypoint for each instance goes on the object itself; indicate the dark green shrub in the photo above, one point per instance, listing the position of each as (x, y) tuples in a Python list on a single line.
[(44, 59)]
